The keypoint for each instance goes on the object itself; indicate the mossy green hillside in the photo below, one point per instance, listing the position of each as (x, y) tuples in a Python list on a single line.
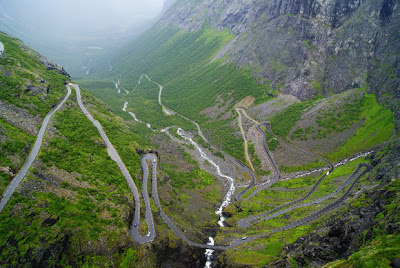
[(377, 127), (14, 148), (90, 202), (26, 80)]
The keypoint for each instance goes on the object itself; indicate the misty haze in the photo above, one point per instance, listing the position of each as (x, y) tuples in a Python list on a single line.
[(74, 33)]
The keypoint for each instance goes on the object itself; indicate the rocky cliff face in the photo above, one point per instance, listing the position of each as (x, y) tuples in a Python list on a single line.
[(307, 47)]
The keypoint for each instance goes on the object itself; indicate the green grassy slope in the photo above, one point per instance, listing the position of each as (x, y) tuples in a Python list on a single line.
[(183, 63), (26, 79), (27, 89)]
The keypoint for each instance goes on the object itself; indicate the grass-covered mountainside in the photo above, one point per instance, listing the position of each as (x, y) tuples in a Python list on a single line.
[(74, 207), (180, 60), (310, 72), (209, 82)]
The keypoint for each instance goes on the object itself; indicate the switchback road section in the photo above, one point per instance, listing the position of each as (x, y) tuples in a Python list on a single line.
[(115, 156)]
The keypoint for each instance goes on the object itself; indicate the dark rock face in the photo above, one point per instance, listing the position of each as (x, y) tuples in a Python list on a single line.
[(386, 12), (336, 239), (307, 47)]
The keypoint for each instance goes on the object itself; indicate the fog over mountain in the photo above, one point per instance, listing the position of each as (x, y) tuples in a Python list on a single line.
[(72, 32)]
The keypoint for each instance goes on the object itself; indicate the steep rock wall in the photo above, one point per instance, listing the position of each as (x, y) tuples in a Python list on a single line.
[(307, 47)]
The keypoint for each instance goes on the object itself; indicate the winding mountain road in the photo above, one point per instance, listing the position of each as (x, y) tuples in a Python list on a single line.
[(115, 156), (35, 150), (134, 232), (246, 147), (246, 222), (238, 241), (331, 206)]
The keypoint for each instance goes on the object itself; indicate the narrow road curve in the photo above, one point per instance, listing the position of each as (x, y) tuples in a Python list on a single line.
[(170, 223), (277, 173), (245, 222), (236, 162), (246, 147), (269, 155), (35, 150), (331, 206), (115, 156)]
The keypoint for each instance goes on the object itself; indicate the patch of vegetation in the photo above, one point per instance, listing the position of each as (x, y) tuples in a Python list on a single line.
[(340, 117), (194, 179), (301, 134), (379, 253), (15, 144), (309, 166), (25, 80), (283, 122), (377, 127), (262, 252)]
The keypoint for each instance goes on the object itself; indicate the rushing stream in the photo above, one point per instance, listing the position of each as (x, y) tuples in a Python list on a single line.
[(227, 199), (180, 132), (131, 113), (209, 253), (341, 163)]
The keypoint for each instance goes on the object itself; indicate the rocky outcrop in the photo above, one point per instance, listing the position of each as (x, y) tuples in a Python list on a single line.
[(339, 237), (308, 47), (58, 69)]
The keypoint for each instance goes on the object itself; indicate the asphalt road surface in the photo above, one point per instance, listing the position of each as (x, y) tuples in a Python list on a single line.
[(115, 156), (35, 150)]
